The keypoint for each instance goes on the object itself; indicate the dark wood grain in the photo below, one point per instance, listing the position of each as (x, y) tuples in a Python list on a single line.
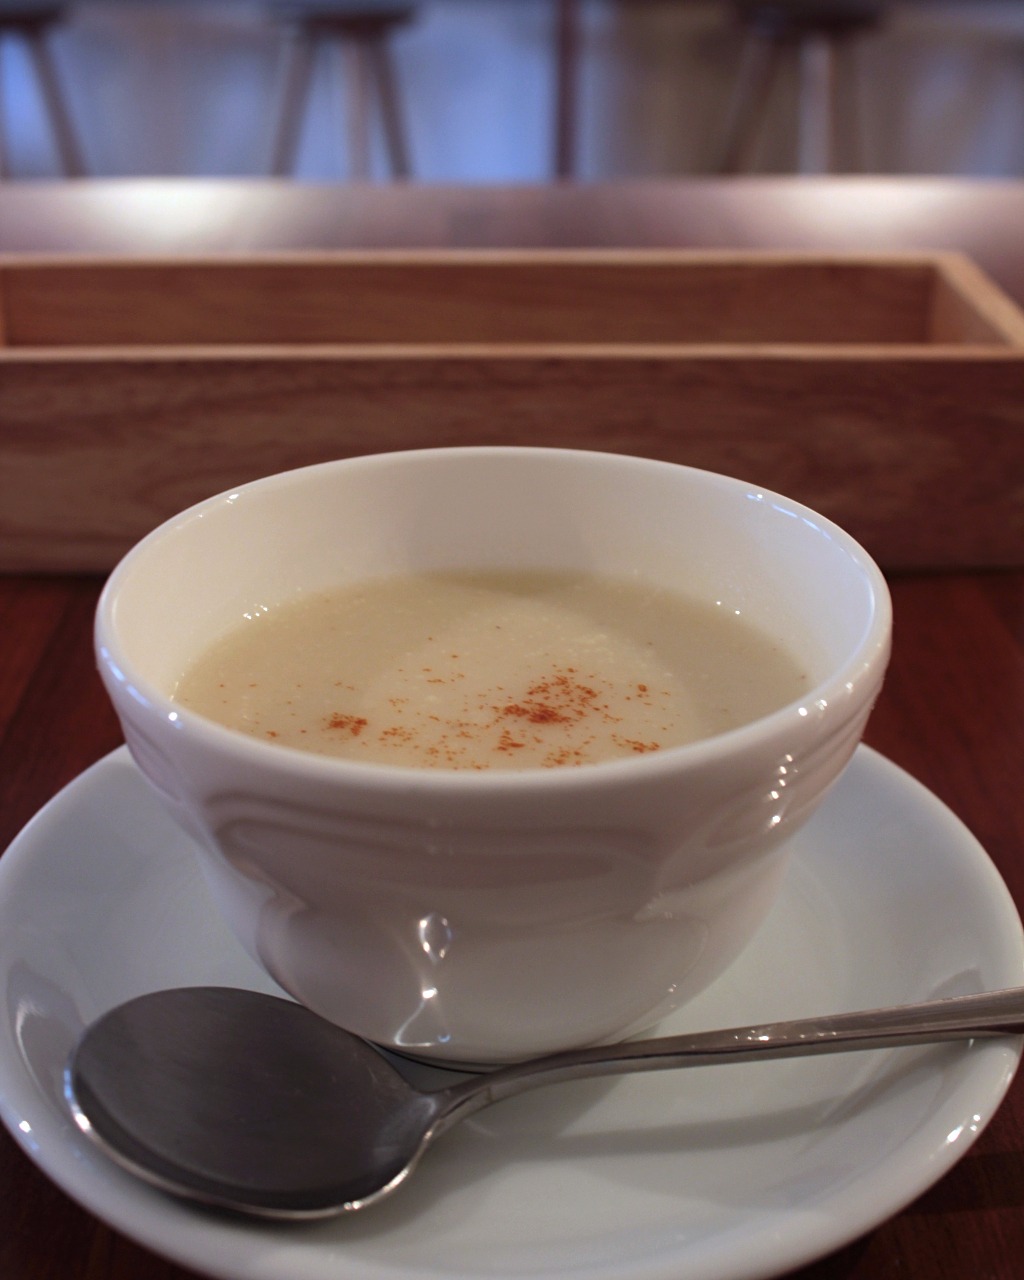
[(952, 714)]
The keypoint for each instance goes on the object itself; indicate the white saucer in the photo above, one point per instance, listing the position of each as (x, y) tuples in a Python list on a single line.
[(739, 1171)]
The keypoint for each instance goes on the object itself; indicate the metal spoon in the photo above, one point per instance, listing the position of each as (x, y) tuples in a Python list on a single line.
[(252, 1103)]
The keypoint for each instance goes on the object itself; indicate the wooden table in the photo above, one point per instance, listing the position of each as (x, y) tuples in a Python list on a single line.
[(952, 712), (179, 216)]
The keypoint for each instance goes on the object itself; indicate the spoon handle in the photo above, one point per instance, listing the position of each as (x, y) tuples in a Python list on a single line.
[(990, 1014)]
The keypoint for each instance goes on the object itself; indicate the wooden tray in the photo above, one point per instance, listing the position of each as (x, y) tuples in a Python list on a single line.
[(887, 392)]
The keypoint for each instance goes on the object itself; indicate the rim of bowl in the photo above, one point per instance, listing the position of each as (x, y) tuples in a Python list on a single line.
[(863, 669)]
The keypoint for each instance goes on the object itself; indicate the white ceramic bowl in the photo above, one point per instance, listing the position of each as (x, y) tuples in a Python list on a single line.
[(480, 917)]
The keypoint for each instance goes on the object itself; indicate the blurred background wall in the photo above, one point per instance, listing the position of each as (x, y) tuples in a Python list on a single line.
[(169, 87)]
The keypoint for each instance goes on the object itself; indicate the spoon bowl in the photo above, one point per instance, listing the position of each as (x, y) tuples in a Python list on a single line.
[(252, 1103)]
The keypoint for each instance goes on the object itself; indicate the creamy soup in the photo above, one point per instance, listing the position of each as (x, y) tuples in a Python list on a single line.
[(491, 671)]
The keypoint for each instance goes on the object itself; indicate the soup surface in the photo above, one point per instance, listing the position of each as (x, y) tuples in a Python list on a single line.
[(491, 671)]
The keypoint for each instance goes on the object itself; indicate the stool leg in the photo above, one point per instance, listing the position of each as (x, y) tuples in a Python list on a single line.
[(53, 98), (296, 79), (849, 74), (759, 63), (357, 85), (5, 171), (816, 122), (379, 53), (567, 51)]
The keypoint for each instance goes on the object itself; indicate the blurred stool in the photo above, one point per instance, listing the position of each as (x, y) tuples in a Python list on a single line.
[(361, 33), (815, 29), (31, 24)]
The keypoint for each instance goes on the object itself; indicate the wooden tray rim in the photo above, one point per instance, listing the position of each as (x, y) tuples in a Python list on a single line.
[(954, 268)]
